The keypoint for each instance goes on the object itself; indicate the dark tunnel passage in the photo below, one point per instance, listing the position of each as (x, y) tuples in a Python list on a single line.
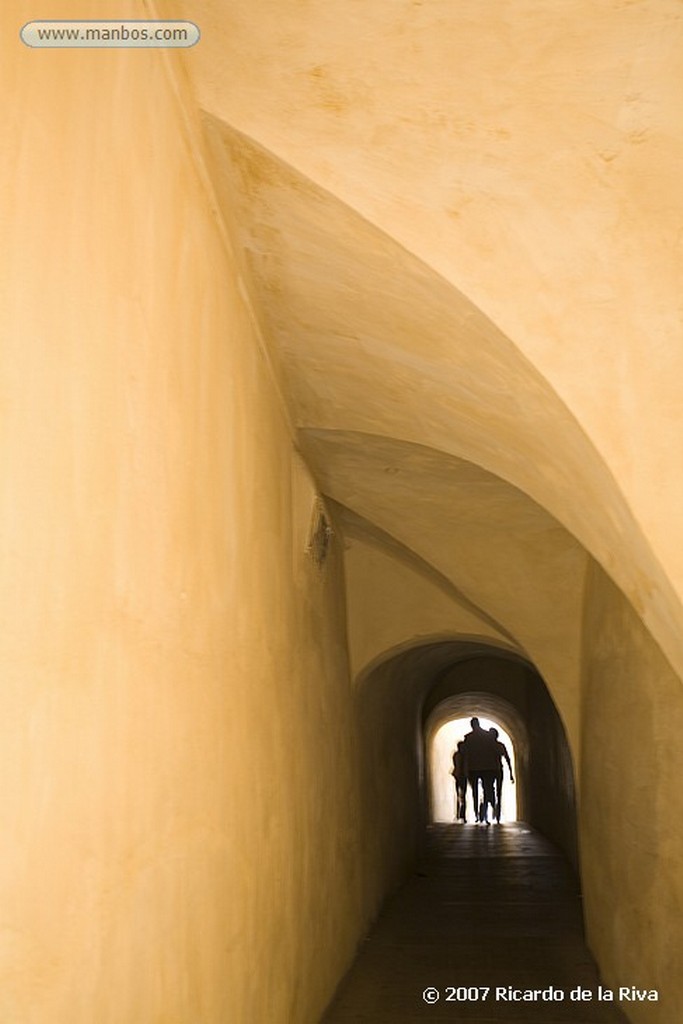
[(510, 691), (421, 688), (484, 913)]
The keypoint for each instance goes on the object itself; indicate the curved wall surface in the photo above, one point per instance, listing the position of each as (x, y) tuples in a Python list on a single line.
[(407, 261)]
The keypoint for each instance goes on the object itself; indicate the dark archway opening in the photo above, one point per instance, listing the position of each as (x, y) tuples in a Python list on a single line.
[(411, 690), (509, 691)]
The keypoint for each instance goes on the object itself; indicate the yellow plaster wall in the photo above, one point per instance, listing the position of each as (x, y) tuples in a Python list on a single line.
[(515, 180), (630, 818), (535, 153), (390, 603), (502, 556), (187, 836), (183, 828)]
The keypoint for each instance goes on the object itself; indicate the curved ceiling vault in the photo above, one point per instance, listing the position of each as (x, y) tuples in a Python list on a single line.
[(407, 395)]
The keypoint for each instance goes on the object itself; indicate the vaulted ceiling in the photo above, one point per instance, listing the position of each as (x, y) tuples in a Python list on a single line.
[(460, 230)]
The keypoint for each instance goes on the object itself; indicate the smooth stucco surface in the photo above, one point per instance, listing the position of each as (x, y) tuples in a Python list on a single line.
[(631, 825), (180, 759), (406, 262), (502, 194)]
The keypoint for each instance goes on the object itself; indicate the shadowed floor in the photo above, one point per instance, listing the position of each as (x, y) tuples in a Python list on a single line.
[(495, 907)]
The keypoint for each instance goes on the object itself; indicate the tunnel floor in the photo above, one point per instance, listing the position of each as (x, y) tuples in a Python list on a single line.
[(495, 908)]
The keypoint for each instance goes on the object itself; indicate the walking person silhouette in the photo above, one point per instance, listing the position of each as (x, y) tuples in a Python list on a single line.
[(502, 754), (459, 774), (481, 760)]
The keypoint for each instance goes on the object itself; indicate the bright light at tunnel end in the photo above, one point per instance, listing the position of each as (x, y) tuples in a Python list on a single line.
[(442, 786)]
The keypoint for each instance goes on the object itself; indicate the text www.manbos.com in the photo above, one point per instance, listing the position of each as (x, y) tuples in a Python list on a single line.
[(109, 33)]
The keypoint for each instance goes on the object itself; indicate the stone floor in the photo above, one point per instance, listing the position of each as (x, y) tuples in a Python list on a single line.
[(488, 909)]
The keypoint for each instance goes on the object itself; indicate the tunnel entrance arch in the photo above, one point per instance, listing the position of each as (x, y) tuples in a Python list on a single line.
[(508, 690), (444, 740), (424, 685), (504, 716)]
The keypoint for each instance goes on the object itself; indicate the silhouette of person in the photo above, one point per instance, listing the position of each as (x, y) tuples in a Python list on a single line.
[(481, 759), (459, 774), (502, 755)]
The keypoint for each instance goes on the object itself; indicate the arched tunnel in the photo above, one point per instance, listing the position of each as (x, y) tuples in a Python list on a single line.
[(461, 875), (340, 380), (439, 681), (508, 690)]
